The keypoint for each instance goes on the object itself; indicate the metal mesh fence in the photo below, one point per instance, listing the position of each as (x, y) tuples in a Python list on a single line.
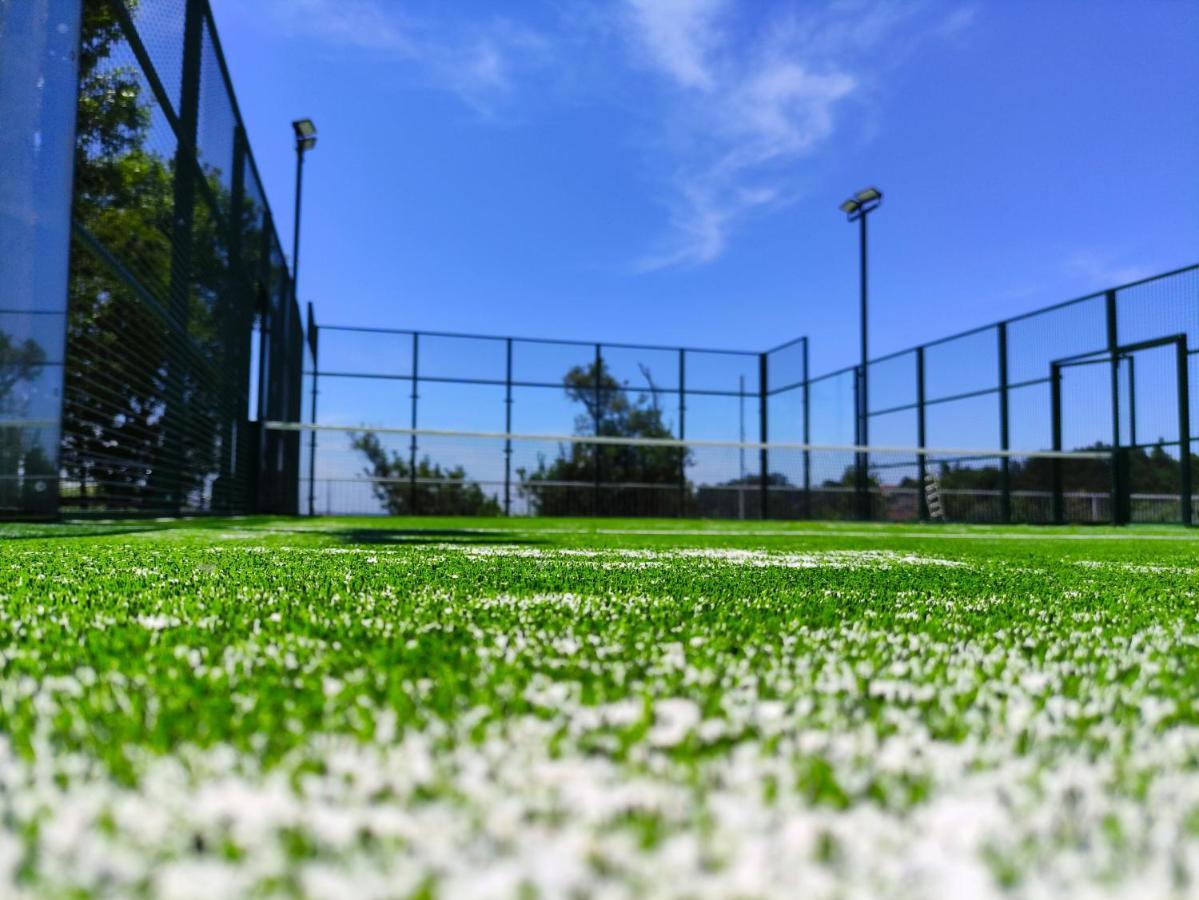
[(1106, 376), (174, 263), (181, 333)]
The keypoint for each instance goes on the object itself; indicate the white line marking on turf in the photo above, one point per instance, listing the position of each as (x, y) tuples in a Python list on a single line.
[(890, 535)]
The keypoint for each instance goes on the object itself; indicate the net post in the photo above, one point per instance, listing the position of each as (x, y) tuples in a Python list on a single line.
[(1119, 490), (1005, 467), (508, 430), (922, 459), (1055, 388), (807, 436), (170, 489), (1184, 431), (412, 499), (682, 431), (764, 432)]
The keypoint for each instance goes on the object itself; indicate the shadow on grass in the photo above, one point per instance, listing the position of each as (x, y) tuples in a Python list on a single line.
[(416, 536)]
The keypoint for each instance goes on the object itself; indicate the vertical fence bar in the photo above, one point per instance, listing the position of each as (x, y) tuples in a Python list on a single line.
[(1184, 431), (508, 431), (1119, 489), (682, 431), (1132, 400), (235, 370), (312, 344), (807, 436), (595, 490), (764, 436), (921, 460), (1055, 388), (262, 300), (1005, 466), (412, 496), (171, 487), (861, 486)]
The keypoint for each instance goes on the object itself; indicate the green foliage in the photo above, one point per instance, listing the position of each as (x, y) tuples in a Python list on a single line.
[(611, 410), (435, 490)]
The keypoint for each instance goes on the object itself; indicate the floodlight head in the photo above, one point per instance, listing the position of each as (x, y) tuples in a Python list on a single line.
[(850, 206), (867, 195), (305, 134)]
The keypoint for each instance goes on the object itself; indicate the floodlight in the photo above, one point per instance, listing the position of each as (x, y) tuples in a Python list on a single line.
[(849, 206), (868, 194), (305, 134)]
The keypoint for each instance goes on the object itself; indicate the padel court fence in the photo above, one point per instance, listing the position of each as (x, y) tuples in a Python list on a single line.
[(135, 371), (1078, 412), (149, 329)]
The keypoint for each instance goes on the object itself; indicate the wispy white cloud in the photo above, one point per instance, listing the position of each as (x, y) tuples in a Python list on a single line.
[(677, 36), (357, 24), (747, 104), (479, 61)]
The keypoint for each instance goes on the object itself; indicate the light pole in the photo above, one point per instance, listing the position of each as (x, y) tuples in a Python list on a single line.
[(857, 208), (305, 140)]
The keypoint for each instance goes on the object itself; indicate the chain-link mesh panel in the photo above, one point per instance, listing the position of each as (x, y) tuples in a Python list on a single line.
[(174, 256)]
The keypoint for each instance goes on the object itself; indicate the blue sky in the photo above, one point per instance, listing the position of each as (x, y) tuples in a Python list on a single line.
[(669, 170)]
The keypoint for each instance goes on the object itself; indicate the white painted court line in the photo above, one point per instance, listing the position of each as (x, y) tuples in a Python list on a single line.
[(830, 533)]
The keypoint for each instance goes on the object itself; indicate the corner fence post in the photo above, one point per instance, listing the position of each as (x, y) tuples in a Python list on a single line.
[(508, 432), (1055, 389), (1119, 487), (921, 460), (1184, 432), (763, 453), (412, 495), (682, 431), (1005, 463)]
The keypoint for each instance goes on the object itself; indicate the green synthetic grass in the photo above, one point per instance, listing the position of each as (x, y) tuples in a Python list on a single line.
[(454, 707)]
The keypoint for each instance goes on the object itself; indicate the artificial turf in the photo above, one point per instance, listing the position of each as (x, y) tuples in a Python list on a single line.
[(465, 707)]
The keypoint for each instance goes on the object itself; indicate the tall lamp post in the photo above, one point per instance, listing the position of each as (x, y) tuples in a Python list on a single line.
[(857, 208), (305, 132)]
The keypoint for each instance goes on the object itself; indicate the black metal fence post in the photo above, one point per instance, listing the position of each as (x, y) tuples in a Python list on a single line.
[(1005, 463), (413, 506), (507, 432), (861, 471), (312, 344), (171, 486), (1120, 512), (807, 436), (1184, 432), (682, 431), (595, 490), (921, 460), (764, 436), (236, 331), (1055, 390)]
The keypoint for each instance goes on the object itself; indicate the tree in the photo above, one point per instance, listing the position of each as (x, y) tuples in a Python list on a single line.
[(624, 471), (435, 490)]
